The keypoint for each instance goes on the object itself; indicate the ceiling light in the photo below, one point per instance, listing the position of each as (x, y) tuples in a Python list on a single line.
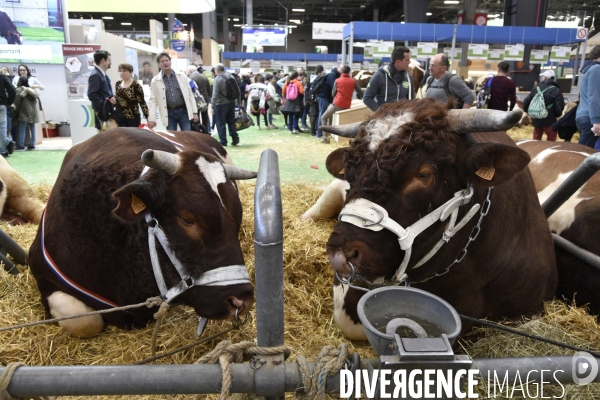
[(167, 18), (107, 18), (298, 9), (184, 24), (428, 14), (125, 23), (451, 1), (276, 24), (362, 6), (228, 19), (296, 21), (237, 25), (236, 19)]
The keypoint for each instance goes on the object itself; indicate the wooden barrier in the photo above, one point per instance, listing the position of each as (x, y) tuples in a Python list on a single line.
[(357, 112)]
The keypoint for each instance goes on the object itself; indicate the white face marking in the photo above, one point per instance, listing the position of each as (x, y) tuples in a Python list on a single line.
[(382, 128), (213, 173), (563, 217), (344, 322)]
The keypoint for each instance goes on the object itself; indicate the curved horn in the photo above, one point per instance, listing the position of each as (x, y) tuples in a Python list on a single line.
[(474, 120), (162, 160), (346, 130), (237, 174)]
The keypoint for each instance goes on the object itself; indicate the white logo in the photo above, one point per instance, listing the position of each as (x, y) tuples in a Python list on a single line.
[(584, 368)]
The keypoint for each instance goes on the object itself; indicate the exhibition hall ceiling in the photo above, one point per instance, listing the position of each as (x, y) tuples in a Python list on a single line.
[(305, 12)]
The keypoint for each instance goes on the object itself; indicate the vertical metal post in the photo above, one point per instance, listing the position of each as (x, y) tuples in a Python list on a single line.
[(351, 49), (268, 248), (453, 47)]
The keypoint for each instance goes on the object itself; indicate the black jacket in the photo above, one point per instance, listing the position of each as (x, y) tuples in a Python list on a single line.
[(551, 96), (7, 93), (325, 93)]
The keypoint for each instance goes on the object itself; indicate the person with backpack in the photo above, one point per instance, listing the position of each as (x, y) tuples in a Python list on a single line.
[(257, 100), (324, 97), (226, 92), (441, 84), (273, 100), (588, 112), (294, 93), (172, 97), (502, 90), (545, 104), (343, 89), (391, 82)]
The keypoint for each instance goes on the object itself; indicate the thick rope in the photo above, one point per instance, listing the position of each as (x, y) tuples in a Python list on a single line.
[(225, 353), (330, 361), (5, 380), (151, 302), (159, 316)]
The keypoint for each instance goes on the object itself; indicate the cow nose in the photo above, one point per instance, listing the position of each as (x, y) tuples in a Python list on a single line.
[(241, 306), (338, 261)]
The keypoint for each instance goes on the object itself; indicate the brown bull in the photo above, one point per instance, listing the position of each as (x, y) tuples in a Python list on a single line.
[(576, 220), (417, 173)]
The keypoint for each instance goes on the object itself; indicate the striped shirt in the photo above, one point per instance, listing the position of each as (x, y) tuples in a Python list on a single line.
[(174, 95), (502, 90)]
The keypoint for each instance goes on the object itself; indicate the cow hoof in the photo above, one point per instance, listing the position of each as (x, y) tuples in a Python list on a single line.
[(64, 305)]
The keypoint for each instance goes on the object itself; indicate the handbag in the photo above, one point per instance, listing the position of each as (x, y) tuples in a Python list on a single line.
[(201, 104), (242, 120)]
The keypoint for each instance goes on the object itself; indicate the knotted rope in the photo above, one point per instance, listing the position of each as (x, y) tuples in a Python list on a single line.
[(150, 302), (159, 316), (330, 361), (5, 380), (226, 352)]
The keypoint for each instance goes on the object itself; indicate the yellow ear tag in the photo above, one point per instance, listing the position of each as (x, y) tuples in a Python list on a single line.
[(486, 173), (137, 204)]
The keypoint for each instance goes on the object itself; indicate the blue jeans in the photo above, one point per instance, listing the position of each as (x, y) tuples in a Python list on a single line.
[(587, 137), (293, 121), (225, 115), (323, 104), (180, 117), (23, 126), (304, 114), (269, 118), (4, 136)]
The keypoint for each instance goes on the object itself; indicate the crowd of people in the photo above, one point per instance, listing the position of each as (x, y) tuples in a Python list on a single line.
[(182, 98)]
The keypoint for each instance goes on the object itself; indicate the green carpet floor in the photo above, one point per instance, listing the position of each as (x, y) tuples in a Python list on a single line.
[(301, 157)]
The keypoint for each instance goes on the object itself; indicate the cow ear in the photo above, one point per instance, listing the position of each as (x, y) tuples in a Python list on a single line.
[(490, 164), (335, 163), (136, 199)]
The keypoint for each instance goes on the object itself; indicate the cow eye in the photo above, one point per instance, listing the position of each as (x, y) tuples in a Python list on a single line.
[(187, 221), (423, 175)]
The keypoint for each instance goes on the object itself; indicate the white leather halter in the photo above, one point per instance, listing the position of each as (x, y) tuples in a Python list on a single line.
[(222, 276), (368, 215)]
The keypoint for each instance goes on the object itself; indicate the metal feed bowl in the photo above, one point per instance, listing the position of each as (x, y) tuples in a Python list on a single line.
[(393, 306)]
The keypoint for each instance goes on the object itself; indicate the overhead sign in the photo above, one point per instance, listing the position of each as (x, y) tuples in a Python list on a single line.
[(539, 56), (480, 19), (178, 36), (495, 55), (514, 52), (426, 49), (559, 53), (478, 51), (326, 31), (582, 33), (457, 52), (257, 36)]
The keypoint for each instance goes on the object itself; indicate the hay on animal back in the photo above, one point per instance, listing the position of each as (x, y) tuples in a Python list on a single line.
[(308, 311)]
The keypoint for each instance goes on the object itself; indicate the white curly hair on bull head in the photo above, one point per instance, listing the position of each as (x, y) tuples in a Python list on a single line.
[(136, 214), (410, 183)]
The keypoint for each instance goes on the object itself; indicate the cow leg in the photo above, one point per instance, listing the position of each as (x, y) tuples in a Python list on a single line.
[(64, 305), (330, 203), (343, 299)]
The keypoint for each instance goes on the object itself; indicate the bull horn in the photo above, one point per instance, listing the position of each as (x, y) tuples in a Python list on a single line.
[(346, 130), (474, 120), (237, 174), (162, 160)]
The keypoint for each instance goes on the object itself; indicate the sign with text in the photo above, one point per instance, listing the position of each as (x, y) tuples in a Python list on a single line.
[(178, 36), (496, 55), (478, 51), (425, 49), (559, 53), (79, 63), (457, 52), (326, 31), (514, 52), (539, 56), (257, 36)]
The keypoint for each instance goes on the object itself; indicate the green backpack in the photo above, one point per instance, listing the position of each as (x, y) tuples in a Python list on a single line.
[(537, 107)]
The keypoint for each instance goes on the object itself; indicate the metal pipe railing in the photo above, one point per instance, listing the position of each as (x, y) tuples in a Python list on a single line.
[(206, 378), (578, 178), (268, 250), (576, 251)]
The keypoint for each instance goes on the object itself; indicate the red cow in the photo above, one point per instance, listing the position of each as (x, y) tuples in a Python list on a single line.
[(124, 223), (417, 174)]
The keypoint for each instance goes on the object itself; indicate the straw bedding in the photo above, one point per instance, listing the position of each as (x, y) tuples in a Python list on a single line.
[(308, 311)]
